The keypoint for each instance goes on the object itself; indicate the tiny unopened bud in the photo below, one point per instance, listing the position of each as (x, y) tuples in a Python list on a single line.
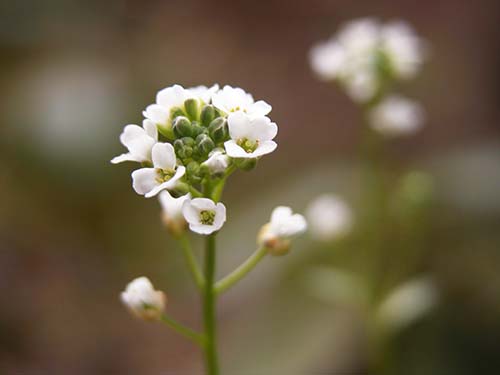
[(193, 171), (197, 129), (184, 147), (142, 300), (205, 144), (172, 212), (207, 115), (218, 129), (275, 236), (192, 107), (217, 162), (182, 127)]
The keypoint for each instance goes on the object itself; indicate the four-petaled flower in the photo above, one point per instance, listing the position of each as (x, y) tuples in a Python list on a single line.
[(284, 224), (164, 175), (233, 99), (139, 142), (250, 137), (204, 215), (142, 300)]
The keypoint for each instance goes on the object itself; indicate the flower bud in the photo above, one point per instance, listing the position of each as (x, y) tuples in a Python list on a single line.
[(172, 212), (218, 129), (192, 107), (217, 163), (205, 144), (275, 236), (207, 115), (194, 172), (197, 129), (184, 147), (142, 300), (246, 164), (182, 127)]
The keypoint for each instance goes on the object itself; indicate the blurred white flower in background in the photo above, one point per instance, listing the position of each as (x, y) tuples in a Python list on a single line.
[(364, 53), (142, 300), (407, 303), (329, 217), (396, 116), (204, 215), (284, 225)]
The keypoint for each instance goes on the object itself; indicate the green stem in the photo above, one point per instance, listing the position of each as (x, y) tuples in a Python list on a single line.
[(191, 261), (209, 308), (183, 330), (235, 276)]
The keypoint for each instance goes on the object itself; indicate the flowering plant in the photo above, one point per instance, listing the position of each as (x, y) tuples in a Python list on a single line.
[(190, 142)]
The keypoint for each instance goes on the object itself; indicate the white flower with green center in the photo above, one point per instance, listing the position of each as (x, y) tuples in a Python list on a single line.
[(234, 99), (164, 175), (139, 142), (142, 300), (284, 225), (203, 215), (329, 217), (250, 137), (396, 116)]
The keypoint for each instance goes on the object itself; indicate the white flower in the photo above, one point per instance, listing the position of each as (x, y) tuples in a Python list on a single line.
[(204, 215), (250, 137), (407, 303), (139, 142), (404, 49), (284, 225), (397, 115), (217, 162), (204, 93), (172, 211), (142, 300), (233, 99), (164, 175), (329, 217)]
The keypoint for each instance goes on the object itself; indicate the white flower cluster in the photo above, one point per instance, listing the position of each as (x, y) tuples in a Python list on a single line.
[(364, 56), (191, 138), (364, 52)]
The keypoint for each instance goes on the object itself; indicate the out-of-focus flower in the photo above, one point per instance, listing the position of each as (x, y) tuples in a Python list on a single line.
[(284, 225), (172, 212), (396, 116), (204, 215), (407, 303), (164, 175), (217, 162), (233, 99), (139, 142), (204, 93), (364, 53), (329, 217), (142, 300), (250, 137)]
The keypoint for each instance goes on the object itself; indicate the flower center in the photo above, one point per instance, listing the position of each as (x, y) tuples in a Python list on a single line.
[(207, 217), (163, 175), (248, 145)]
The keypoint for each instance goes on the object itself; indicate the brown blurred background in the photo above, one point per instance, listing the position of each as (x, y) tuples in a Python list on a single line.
[(73, 232)]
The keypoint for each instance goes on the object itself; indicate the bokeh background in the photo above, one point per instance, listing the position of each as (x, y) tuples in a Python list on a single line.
[(73, 232)]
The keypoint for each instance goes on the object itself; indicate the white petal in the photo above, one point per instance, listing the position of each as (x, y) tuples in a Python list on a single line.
[(220, 216), (156, 113), (125, 157), (235, 151), (202, 228), (138, 142), (260, 108), (262, 129), (170, 184), (144, 180), (163, 155), (191, 213), (150, 129), (239, 125), (280, 213), (173, 96), (264, 148), (203, 204)]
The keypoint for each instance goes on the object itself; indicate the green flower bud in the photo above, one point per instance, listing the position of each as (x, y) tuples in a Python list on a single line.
[(207, 115), (182, 127), (175, 112), (192, 107), (193, 172), (205, 144), (218, 129), (184, 147), (246, 164), (197, 129)]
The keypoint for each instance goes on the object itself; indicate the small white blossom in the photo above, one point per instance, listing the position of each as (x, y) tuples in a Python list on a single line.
[(329, 217), (142, 300), (172, 211), (250, 137), (217, 162), (397, 115), (284, 225), (234, 99), (164, 175), (139, 142), (204, 215), (204, 93)]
